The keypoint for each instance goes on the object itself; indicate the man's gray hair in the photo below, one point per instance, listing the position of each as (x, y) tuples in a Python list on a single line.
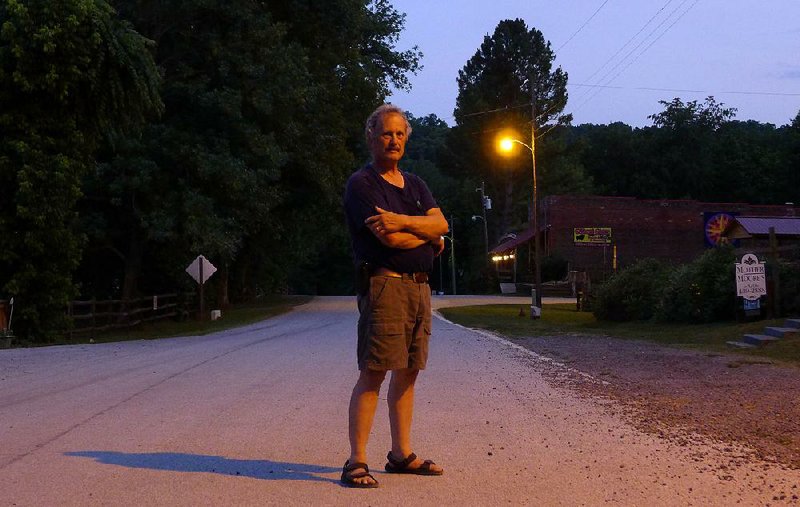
[(372, 121)]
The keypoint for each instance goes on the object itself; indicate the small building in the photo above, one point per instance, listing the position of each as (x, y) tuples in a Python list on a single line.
[(749, 232), (598, 234)]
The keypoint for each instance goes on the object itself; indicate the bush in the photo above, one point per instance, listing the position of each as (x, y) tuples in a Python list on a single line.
[(633, 293), (701, 291), (790, 288), (554, 267)]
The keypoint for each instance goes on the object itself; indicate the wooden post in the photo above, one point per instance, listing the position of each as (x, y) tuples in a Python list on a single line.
[(775, 303), (71, 322), (93, 309)]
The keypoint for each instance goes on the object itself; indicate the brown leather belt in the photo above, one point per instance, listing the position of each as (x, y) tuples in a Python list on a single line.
[(414, 277)]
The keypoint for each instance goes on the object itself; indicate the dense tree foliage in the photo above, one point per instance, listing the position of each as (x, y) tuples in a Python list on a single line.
[(72, 75), (694, 151), (263, 107)]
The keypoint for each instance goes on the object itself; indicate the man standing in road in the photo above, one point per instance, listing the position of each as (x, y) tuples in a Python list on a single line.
[(396, 230)]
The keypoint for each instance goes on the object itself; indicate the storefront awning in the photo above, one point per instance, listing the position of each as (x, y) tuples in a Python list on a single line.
[(512, 243)]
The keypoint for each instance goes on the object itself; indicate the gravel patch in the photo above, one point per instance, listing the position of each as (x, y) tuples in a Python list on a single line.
[(746, 403)]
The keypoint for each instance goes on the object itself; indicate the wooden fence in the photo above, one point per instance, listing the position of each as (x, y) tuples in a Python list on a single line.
[(103, 315)]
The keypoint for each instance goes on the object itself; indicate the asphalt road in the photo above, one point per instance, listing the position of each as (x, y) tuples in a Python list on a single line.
[(257, 416)]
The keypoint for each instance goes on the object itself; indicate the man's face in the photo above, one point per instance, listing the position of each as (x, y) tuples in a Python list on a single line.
[(389, 140)]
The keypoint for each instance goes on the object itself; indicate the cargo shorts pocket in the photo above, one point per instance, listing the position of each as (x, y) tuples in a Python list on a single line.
[(387, 344), (382, 328)]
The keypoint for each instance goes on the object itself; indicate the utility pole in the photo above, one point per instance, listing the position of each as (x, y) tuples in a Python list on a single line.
[(536, 308), (452, 238), (486, 203)]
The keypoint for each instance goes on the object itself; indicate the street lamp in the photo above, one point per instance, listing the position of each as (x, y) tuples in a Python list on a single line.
[(452, 238), (485, 231), (486, 203), (507, 145)]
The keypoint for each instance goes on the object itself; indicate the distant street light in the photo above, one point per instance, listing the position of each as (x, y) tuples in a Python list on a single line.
[(485, 231), (506, 145), (452, 238)]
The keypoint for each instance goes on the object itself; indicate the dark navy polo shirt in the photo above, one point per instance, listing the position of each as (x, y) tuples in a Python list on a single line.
[(365, 190)]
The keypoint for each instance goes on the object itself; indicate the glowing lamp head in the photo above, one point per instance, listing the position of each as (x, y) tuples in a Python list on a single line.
[(506, 145)]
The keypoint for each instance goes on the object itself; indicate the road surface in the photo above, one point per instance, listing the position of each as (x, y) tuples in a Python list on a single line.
[(257, 416)]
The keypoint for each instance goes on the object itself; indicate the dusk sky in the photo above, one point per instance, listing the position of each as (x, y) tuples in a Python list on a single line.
[(744, 53)]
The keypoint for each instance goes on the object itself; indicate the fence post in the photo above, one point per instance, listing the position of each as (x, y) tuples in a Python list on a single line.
[(71, 321), (776, 275), (93, 309)]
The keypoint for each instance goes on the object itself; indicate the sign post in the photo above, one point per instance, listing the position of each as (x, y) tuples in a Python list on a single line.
[(201, 270)]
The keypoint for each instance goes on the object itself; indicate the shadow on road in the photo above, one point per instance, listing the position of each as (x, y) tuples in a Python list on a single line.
[(177, 462)]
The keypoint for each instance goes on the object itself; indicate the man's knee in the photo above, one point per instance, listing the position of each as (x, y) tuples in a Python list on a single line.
[(371, 379), (405, 375)]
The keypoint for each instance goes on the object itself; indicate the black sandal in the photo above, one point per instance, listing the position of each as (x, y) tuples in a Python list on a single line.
[(401, 467), (349, 478)]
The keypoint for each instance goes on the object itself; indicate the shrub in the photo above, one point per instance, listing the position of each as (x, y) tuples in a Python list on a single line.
[(790, 288), (701, 291), (633, 293), (554, 267)]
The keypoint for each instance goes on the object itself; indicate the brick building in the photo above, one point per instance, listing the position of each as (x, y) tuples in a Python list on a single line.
[(590, 231)]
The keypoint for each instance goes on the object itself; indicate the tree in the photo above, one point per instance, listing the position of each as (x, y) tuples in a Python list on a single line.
[(205, 176), (610, 156), (350, 49), (511, 84), (509, 76), (682, 143), (265, 103), (747, 164), (71, 75)]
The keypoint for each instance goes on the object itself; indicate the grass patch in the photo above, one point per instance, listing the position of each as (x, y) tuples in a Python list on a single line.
[(565, 319), (236, 316)]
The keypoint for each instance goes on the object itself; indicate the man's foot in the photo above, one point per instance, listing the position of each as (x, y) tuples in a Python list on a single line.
[(411, 464), (356, 475)]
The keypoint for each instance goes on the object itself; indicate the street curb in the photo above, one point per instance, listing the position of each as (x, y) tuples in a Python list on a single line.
[(504, 341)]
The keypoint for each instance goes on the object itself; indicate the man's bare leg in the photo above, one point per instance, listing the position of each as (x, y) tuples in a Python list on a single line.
[(401, 414), (363, 403)]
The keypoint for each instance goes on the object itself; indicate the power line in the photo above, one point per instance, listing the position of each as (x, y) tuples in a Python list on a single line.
[(582, 26), (506, 108), (589, 94), (629, 41), (643, 41), (684, 90), (594, 93)]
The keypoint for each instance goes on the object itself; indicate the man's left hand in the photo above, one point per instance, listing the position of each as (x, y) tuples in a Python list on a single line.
[(385, 222)]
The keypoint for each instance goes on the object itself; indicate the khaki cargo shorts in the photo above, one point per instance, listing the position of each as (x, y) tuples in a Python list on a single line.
[(394, 325)]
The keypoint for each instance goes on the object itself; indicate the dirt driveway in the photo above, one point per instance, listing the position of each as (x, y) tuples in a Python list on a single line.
[(675, 392)]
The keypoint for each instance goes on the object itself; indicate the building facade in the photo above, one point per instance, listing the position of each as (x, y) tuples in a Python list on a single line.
[(597, 234)]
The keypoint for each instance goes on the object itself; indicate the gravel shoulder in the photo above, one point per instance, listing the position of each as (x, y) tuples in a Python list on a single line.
[(677, 392)]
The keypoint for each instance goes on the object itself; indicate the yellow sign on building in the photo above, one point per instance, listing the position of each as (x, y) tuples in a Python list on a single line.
[(592, 236)]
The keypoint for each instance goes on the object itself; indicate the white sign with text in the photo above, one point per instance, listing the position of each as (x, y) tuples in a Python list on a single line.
[(751, 278)]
